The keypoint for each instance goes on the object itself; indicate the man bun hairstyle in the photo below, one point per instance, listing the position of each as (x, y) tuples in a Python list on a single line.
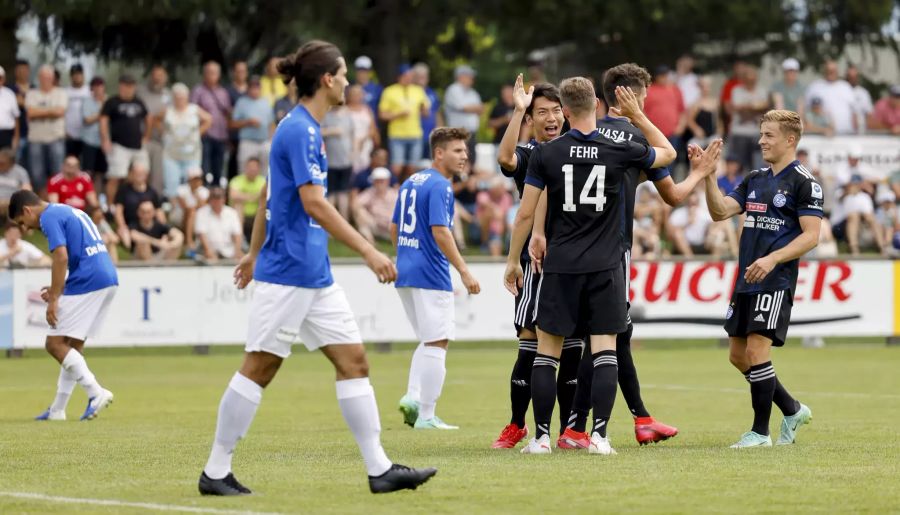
[(543, 90), (577, 93), (19, 200), (788, 121), (628, 75), (442, 135), (308, 64)]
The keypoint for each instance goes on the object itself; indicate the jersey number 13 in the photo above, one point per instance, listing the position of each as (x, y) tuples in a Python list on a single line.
[(591, 193)]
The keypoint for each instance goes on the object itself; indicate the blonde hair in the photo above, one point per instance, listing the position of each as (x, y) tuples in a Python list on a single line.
[(577, 93), (788, 121)]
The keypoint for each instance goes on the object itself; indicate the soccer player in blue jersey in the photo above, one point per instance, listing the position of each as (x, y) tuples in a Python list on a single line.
[(784, 213), (77, 304), (425, 249), (296, 299)]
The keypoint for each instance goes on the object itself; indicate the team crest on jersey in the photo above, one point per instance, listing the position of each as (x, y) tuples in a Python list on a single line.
[(750, 222), (780, 200), (816, 191)]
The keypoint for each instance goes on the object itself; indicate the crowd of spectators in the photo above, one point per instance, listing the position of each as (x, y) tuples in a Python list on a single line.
[(168, 171)]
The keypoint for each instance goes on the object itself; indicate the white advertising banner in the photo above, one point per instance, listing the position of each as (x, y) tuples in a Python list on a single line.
[(881, 153), (200, 305)]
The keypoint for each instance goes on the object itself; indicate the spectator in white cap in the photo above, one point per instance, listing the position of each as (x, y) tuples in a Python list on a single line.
[(863, 99), (372, 90), (788, 92), (462, 104), (375, 207), (837, 97), (886, 115), (189, 198), (9, 115)]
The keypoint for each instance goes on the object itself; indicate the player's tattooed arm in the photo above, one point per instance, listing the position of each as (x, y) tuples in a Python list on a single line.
[(506, 153), (537, 247), (513, 276), (58, 271), (630, 108)]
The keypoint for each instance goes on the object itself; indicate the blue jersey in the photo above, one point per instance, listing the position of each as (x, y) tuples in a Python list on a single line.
[(774, 205), (90, 267), (295, 252), (425, 200)]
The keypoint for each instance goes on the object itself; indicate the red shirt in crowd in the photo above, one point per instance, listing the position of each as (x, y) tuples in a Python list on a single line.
[(887, 113), (664, 106), (71, 191), (729, 85)]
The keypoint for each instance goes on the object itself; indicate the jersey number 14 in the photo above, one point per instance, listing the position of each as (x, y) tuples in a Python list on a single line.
[(591, 193)]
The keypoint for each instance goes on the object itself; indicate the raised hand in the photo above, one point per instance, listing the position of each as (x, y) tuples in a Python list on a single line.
[(705, 161), (629, 107), (521, 98)]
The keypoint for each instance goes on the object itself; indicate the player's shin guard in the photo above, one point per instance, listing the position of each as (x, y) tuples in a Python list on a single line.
[(603, 389), (236, 412), (543, 392), (64, 386), (581, 403), (520, 382), (762, 391), (628, 378), (567, 379), (357, 401)]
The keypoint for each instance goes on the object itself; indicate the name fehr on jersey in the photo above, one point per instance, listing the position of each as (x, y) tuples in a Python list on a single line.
[(774, 204)]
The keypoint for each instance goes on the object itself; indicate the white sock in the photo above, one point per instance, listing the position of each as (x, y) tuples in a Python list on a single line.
[(414, 388), (433, 373), (357, 401), (77, 368), (236, 412), (64, 387)]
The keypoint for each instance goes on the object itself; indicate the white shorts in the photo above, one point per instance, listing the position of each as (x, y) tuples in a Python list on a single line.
[(80, 316), (281, 316), (432, 313), (120, 159)]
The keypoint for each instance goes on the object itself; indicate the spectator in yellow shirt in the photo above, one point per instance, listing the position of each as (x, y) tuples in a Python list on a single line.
[(272, 83), (244, 191), (402, 106)]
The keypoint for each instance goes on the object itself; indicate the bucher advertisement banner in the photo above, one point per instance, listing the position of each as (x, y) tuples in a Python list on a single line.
[(200, 305)]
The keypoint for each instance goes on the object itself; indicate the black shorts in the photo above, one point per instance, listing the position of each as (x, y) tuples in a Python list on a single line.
[(93, 159), (765, 313), (339, 179), (525, 300), (590, 303)]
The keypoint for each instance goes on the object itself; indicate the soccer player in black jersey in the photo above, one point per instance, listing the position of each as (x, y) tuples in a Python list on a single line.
[(615, 128), (541, 111), (582, 288), (784, 213)]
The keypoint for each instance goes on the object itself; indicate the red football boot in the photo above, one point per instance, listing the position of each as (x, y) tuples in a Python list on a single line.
[(510, 436), (647, 430), (571, 439)]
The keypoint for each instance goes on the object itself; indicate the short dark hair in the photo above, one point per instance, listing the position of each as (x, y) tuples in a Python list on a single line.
[(443, 135), (19, 200), (22, 62), (625, 75), (543, 90), (308, 64)]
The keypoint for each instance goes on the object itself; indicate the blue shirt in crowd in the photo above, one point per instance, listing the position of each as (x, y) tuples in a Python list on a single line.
[(259, 109)]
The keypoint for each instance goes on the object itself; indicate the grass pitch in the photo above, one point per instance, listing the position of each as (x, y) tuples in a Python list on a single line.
[(151, 444)]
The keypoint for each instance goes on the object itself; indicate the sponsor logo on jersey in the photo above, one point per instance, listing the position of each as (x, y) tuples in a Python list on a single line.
[(750, 222), (816, 191), (752, 195), (780, 200), (768, 223), (757, 207), (406, 241), (419, 178), (759, 318)]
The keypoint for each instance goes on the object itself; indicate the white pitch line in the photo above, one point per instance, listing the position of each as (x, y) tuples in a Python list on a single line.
[(846, 395), (125, 504)]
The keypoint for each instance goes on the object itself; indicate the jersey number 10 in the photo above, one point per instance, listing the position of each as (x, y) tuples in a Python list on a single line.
[(595, 182)]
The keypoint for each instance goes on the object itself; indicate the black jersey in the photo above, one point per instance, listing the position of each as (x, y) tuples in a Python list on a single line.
[(774, 205), (620, 129), (585, 179), (523, 155)]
